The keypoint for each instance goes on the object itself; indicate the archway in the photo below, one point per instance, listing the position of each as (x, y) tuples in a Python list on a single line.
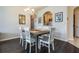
[(47, 18)]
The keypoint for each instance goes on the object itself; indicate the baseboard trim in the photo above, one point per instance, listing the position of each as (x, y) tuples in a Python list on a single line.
[(9, 38)]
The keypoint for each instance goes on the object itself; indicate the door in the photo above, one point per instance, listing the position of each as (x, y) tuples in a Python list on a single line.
[(32, 22), (76, 23)]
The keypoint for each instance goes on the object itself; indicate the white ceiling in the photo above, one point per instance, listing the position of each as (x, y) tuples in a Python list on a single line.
[(36, 8)]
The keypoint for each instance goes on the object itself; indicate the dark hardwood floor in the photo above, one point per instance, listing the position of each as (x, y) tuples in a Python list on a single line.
[(13, 46)]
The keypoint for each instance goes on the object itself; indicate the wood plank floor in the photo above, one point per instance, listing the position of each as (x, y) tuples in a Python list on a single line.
[(13, 46)]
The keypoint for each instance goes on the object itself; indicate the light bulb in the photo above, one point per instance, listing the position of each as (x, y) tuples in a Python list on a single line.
[(32, 10)]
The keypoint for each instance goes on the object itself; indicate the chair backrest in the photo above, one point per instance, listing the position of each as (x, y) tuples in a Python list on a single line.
[(52, 31), (27, 34), (24, 33), (20, 32)]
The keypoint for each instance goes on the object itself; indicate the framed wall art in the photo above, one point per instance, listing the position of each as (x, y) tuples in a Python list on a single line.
[(59, 17), (22, 19)]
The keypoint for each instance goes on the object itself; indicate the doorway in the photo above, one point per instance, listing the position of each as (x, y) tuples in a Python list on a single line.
[(76, 22), (47, 18), (32, 19)]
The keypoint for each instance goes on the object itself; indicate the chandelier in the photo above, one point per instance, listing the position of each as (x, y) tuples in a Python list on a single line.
[(31, 11)]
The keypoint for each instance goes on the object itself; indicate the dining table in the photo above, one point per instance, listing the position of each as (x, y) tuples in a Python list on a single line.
[(36, 33)]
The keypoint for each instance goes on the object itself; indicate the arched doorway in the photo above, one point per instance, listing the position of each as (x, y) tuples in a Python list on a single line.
[(76, 22), (47, 18)]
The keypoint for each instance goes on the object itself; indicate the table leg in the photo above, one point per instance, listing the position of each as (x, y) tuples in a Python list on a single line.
[(36, 44)]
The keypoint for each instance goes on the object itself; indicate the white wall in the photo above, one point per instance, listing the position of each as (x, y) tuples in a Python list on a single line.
[(2, 11), (9, 22), (61, 27)]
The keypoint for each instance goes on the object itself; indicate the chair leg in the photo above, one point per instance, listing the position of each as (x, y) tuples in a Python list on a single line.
[(22, 42), (30, 48), (53, 46), (25, 45), (40, 45), (49, 48), (36, 48)]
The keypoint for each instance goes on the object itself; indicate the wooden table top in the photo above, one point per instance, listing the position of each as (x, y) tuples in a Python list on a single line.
[(39, 32)]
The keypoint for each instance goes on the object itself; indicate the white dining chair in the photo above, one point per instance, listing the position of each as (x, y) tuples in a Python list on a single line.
[(47, 39), (21, 36), (29, 39)]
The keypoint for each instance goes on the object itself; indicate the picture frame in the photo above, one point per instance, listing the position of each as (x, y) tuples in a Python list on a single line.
[(59, 17), (22, 19)]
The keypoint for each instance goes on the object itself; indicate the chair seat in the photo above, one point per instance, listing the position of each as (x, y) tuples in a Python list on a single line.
[(30, 41), (44, 39)]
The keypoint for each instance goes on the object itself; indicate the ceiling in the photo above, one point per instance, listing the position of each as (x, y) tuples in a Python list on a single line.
[(36, 8)]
